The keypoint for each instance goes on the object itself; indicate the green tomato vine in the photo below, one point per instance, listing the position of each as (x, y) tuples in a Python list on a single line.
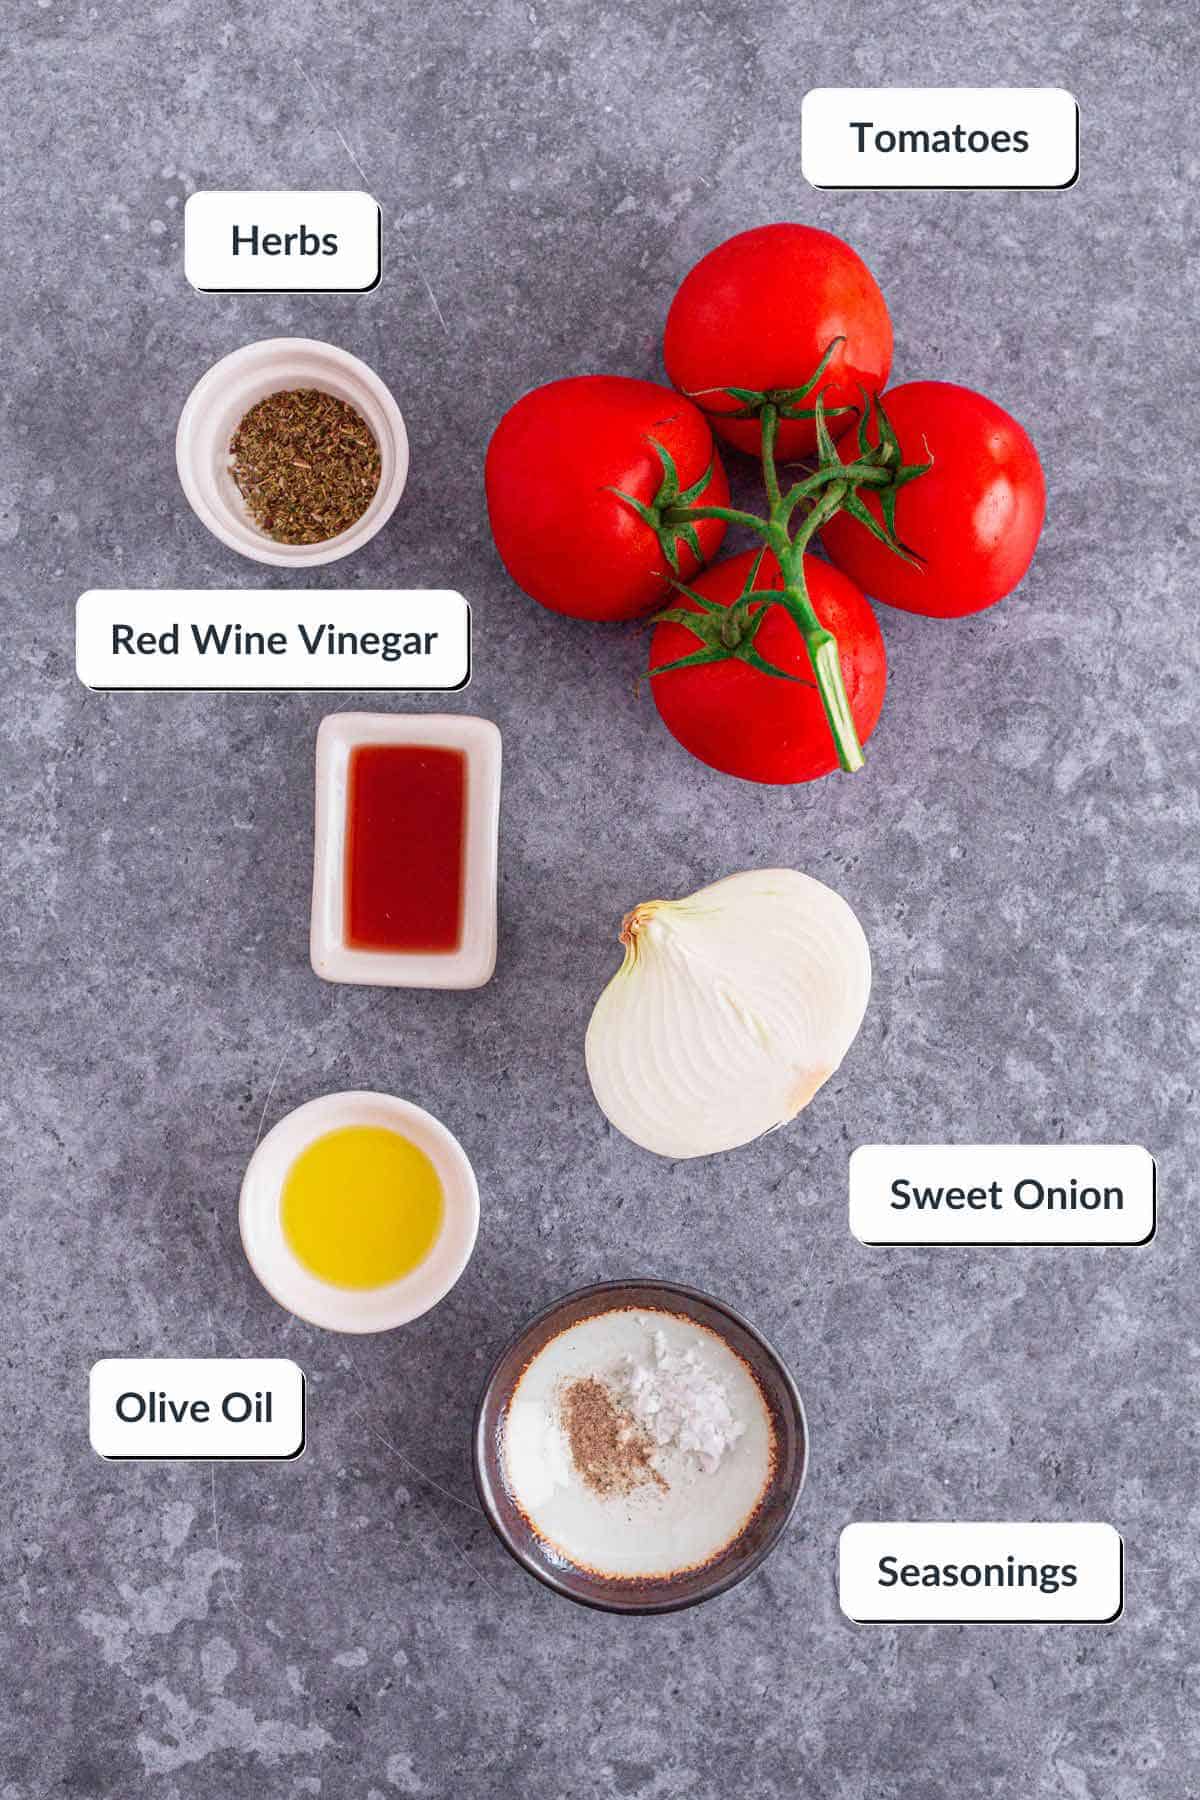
[(794, 515)]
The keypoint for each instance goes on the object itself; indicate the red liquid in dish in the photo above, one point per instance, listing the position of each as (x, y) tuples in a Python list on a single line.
[(405, 819)]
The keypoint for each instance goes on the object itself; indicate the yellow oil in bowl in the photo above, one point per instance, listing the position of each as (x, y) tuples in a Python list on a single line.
[(361, 1207)]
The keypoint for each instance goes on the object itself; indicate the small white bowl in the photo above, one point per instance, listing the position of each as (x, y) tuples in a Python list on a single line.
[(220, 401), (356, 1309), (474, 962)]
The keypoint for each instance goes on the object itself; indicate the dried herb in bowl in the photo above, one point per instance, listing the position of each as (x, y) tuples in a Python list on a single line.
[(306, 465)]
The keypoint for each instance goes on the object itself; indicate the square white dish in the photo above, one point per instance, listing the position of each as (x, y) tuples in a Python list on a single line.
[(474, 961)]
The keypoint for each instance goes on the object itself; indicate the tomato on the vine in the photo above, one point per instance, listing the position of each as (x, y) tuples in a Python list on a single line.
[(753, 321), (973, 517), (563, 466), (737, 717)]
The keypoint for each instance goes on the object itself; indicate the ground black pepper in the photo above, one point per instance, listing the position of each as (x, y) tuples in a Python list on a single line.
[(611, 1452)]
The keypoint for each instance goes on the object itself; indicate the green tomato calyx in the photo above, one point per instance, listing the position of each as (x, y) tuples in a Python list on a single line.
[(669, 514)]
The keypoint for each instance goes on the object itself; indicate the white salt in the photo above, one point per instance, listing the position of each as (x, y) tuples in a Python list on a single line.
[(679, 1402)]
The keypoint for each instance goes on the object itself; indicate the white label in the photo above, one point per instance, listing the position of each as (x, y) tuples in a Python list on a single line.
[(405, 639), (1002, 1194), (206, 1408), (981, 1573), (939, 138), (281, 242)]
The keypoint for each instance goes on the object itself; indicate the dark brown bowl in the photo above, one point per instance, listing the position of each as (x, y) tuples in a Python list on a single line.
[(643, 1594)]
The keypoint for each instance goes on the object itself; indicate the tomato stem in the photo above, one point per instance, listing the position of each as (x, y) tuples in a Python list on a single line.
[(822, 646), (683, 515), (831, 487), (851, 475), (769, 426)]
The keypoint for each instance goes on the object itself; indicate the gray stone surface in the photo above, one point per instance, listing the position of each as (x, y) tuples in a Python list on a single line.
[(1021, 850)]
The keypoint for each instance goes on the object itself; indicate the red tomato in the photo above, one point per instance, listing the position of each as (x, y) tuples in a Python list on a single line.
[(554, 459), (975, 516), (743, 722), (760, 311)]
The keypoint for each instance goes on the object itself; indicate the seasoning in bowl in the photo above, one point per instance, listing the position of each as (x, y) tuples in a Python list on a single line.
[(611, 1453), (306, 464), (639, 1446)]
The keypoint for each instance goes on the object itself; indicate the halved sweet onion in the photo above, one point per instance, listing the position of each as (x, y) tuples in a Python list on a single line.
[(731, 1009)]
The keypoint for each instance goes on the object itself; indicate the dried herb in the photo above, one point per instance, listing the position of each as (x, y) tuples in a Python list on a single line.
[(306, 464)]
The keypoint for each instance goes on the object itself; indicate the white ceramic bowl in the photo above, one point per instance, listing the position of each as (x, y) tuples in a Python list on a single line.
[(474, 962), (221, 399), (356, 1309)]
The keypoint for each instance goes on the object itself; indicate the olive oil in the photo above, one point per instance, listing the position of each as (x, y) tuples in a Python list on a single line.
[(361, 1207)]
